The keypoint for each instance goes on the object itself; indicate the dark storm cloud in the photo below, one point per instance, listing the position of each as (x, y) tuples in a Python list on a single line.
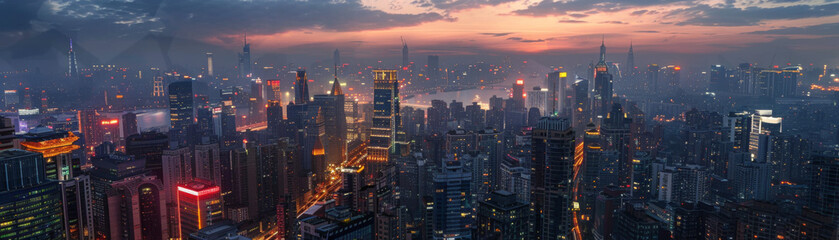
[(497, 34), (455, 5), (551, 8), (706, 15), (822, 29), (203, 18)]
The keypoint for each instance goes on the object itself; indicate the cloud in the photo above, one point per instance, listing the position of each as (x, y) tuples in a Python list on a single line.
[(558, 8), (456, 5), (647, 31), (571, 21), (210, 18), (497, 34), (706, 15), (578, 15), (642, 12), (822, 29), (518, 39), (614, 22), (18, 16)]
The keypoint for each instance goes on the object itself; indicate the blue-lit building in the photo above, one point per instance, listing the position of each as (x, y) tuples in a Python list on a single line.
[(30, 203)]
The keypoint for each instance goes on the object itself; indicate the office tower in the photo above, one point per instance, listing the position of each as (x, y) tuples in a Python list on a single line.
[(129, 124), (335, 122), (459, 142), (670, 74), (352, 181), (786, 85), (457, 112), (433, 70), (386, 118), (148, 146), (717, 80), (552, 156), (273, 92), (132, 204), (7, 133), (824, 184), (517, 94), (641, 176), (209, 64), (301, 88), (653, 71), (515, 117), (592, 150), (514, 178), (629, 69), (475, 116), (307, 121), (405, 58), (500, 216), (181, 110), (199, 206), (229, 135), (750, 180), (245, 69), (438, 115), (635, 224), (89, 127), (538, 98), (602, 92), (77, 206), (607, 203), (580, 113), (452, 202), (274, 113), (208, 163), (737, 129), (685, 183), (338, 223), (556, 93), (744, 79), (616, 137), (31, 202), (495, 114), (490, 143), (763, 124), (178, 168)]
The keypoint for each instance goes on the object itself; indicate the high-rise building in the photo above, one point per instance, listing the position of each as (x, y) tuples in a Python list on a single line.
[(616, 137), (653, 72), (335, 122), (602, 93), (386, 119), (717, 80), (199, 206), (148, 146), (127, 203), (405, 59), (245, 69), (824, 184), (517, 94), (301, 88), (181, 111), (642, 176), (31, 203), (7, 133), (635, 224), (552, 156), (501, 216), (433, 71), (89, 126), (671, 79), (556, 93), (210, 64), (763, 124), (629, 69), (129, 124), (338, 223), (452, 202), (538, 98), (336, 58)]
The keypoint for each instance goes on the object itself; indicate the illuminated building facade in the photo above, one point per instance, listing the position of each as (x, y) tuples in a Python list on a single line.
[(602, 92), (199, 206), (556, 93), (181, 110), (57, 148), (386, 119), (552, 156), (301, 88), (30, 203)]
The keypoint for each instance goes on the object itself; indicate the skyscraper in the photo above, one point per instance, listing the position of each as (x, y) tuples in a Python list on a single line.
[(452, 202), (405, 58), (301, 88), (629, 70), (602, 94), (181, 110), (556, 93), (245, 70), (517, 94), (335, 122), (500, 216), (199, 206), (552, 156), (386, 119), (433, 70), (716, 79), (31, 203), (336, 58), (210, 64)]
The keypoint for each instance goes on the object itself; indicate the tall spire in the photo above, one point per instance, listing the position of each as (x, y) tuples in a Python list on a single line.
[(603, 49), (73, 68), (336, 86), (246, 38)]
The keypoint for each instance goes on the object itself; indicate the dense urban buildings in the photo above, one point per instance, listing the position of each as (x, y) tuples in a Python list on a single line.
[(255, 128)]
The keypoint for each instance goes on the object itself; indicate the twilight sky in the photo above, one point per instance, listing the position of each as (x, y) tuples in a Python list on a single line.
[(793, 30)]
